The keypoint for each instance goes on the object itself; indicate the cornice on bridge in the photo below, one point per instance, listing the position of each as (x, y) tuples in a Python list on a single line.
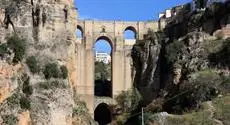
[(116, 21)]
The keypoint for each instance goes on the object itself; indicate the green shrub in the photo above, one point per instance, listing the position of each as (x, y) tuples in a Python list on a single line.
[(51, 71), (80, 108), (102, 71), (3, 49), (173, 50), (64, 72), (52, 85), (129, 100), (58, 84), (26, 88), (9, 119), (18, 46), (44, 85), (194, 118), (190, 94), (222, 107), (33, 64), (221, 59), (24, 103), (13, 100)]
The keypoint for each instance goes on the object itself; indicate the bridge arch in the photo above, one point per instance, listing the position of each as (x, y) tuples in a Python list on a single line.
[(103, 114), (80, 32), (103, 85), (130, 28), (106, 38)]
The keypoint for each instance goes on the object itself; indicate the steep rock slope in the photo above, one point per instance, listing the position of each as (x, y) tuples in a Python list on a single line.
[(185, 48), (30, 92)]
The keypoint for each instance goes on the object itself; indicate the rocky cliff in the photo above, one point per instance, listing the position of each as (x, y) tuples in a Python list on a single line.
[(30, 93), (182, 48), (184, 66)]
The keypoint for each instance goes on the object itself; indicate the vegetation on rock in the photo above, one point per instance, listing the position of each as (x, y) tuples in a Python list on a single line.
[(129, 100), (51, 71), (26, 88), (33, 64), (217, 59), (9, 119), (25, 103), (102, 71), (64, 72), (18, 46), (3, 49), (52, 84)]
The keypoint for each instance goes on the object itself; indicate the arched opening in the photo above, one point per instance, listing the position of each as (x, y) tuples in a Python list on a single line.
[(79, 32), (103, 67), (130, 33), (102, 114)]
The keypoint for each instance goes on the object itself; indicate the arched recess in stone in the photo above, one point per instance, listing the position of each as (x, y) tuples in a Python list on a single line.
[(106, 38), (80, 32), (103, 77), (130, 33), (103, 114)]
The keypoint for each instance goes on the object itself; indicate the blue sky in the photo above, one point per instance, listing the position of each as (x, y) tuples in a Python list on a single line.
[(128, 10)]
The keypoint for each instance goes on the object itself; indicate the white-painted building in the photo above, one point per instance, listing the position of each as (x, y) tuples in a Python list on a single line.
[(168, 13), (102, 57), (161, 15)]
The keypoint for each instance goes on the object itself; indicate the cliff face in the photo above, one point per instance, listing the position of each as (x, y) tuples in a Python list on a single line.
[(48, 27), (146, 61), (185, 48)]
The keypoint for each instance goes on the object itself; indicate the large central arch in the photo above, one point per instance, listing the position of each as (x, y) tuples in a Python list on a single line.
[(109, 90)]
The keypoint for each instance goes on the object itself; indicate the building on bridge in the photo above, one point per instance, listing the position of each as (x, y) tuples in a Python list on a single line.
[(102, 57)]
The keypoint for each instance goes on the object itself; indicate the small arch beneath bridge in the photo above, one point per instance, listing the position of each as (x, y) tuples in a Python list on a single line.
[(103, 114)]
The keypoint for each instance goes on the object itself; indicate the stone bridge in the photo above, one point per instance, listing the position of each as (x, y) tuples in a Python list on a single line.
[(113, 32)]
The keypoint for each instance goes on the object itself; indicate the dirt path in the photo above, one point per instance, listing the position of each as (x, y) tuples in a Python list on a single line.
[(212, 109)]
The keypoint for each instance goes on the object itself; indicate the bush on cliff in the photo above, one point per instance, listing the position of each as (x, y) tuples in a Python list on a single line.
[(25, 103), (51, 71), (221, 58), (9, 119), (26, 88), (129, 100), (190, 94), (3, 49), (173, 50), (64, 72), (33, 64), (18, 45)]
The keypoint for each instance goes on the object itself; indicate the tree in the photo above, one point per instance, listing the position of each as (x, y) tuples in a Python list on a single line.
[(102, 71)]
